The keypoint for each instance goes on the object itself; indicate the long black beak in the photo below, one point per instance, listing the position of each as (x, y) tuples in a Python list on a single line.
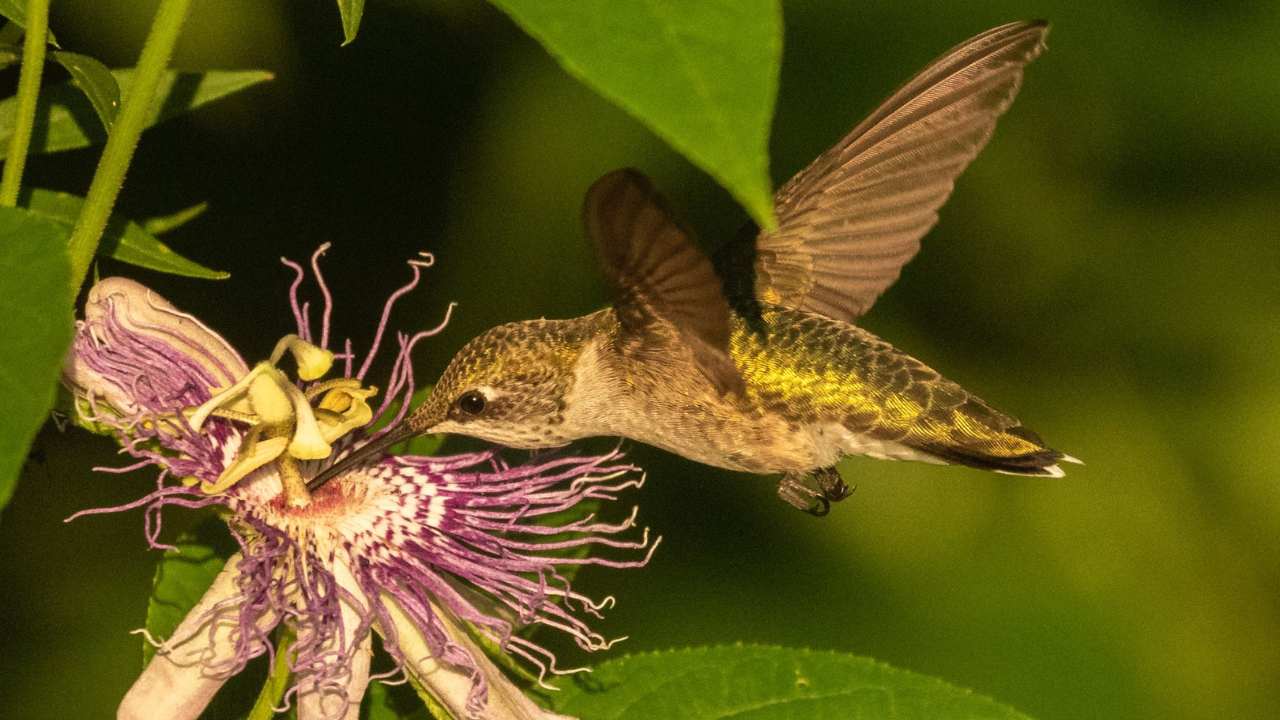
[(365, 454)]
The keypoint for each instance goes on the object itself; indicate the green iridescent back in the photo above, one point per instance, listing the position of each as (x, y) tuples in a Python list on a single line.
[(814, 369)]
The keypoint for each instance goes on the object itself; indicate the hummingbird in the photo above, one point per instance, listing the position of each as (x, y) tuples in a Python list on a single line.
[(752, 361)]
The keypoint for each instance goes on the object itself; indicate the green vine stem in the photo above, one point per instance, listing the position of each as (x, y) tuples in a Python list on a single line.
[(28, 94), (123, 140)]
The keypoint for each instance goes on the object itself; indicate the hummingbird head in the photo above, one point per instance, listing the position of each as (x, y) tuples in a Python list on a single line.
[(507, 386)]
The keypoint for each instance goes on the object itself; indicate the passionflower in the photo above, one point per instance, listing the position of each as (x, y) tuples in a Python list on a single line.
[(438, 555)]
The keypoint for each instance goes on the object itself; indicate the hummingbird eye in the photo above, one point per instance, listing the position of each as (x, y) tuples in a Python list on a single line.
[(471, 402)]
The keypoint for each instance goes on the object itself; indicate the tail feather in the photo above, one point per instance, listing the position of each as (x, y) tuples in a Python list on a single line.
[(1042, 462)]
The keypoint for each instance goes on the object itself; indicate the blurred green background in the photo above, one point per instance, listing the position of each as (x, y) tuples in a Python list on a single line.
[(1107, 271)]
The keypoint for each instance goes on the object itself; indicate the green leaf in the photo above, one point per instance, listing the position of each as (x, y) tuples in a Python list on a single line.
[(9, 54), (753, 682), (124, 240), (351, 12), (96, 81), (381, 703), (182, 577), (11, 35), (377, 704), (16, 12), (162, 224), (34, 333), (702, 75), (264, 708), (68, 120)]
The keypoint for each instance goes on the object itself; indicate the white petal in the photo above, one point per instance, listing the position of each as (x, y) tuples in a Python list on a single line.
[(450, 686), (177, 684), (142, 311), (345, 705)]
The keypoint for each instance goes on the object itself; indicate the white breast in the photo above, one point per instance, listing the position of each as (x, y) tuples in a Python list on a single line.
[(842, 441)]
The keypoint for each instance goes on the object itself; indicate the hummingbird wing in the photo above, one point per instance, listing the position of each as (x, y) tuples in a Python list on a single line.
[(849, 221), (659, 276)]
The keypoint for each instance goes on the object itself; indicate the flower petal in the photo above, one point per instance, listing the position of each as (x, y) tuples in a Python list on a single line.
[(182, 677), (120, 305), (452, 685), (341, 701)]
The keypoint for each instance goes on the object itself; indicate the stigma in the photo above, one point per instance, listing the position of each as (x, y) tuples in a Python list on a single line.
[(289, 420)]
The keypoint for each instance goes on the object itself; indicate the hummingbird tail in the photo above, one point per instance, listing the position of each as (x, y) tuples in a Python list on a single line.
[(1041, 462)]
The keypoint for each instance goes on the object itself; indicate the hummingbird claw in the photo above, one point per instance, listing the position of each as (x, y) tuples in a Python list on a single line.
[(813, 492), (833, 486), (796, 490), (820, 507)]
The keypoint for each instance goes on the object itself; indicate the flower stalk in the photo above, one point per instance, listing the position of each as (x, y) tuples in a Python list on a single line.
[(33, 49), (123, 138)]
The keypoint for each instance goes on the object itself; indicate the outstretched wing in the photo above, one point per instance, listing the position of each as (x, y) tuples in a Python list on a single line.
[(658, 275), (849, 221)]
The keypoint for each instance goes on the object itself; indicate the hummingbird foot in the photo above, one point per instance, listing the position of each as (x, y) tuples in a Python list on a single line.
[(833, 486), (813, 492)]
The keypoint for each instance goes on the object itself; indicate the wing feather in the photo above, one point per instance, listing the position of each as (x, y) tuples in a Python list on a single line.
[(849, 221), (659, 275)]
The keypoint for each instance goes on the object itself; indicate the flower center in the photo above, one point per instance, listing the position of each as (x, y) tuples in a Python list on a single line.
[(287, 424)]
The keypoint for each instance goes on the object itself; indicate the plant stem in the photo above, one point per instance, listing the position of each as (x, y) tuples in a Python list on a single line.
[(123, 140), (277, 681), (28, 95)]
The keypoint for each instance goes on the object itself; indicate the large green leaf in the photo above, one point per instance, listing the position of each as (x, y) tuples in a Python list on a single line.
[(351, 12), (34, 332), (67, 120), (702, 75), (752, 682), (124, 240), (182, 577), (96, 81), (16, 12)]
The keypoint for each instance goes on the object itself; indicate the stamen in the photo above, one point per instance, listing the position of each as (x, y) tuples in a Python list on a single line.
[(313, 362), (308, 443), (253, 454), (198, 417), (269, 394)]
